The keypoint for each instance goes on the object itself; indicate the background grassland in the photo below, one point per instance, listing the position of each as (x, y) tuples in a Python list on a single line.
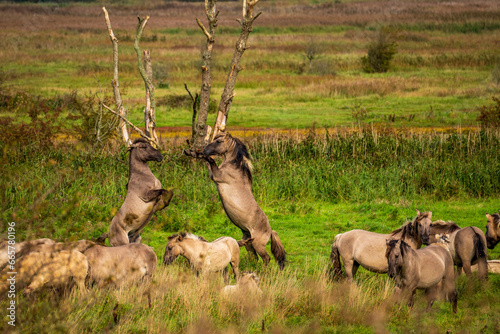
[(312, 183), (445, 58)]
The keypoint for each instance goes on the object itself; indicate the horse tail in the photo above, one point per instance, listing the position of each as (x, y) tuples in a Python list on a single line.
[(278, 250), (335, 257), (245, 242), (482, 262), (102, 239)]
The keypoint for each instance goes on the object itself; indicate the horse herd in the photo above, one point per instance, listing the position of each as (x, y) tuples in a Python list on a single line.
[(44, 262)]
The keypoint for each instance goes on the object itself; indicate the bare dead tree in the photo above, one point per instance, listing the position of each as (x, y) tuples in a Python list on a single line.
[(203, 133), (145, 69)]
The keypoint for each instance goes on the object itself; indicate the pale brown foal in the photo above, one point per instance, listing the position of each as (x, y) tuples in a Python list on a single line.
[(205, 256), (367, 249), (429, 268), (467, 246), (234, 183)]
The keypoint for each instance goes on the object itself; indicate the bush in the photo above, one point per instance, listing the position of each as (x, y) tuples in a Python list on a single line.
[(490, 115), (160, 75), (380, 52)]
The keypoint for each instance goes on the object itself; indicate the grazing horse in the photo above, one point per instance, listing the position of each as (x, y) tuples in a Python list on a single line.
[(493, 230), (144, 197), (205, 256), (429, 268), (365, 248), (234, 184), (467, 246)]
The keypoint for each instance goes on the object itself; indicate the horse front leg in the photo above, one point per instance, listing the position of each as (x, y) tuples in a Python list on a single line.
[(225, 274), (213, 170)]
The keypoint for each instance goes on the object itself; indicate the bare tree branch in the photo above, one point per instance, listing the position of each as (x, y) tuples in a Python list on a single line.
[(116, 87), (201, 130), (241, 45), (139, 131)]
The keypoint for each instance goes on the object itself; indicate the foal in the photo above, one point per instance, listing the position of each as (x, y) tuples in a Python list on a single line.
[(205, 256)]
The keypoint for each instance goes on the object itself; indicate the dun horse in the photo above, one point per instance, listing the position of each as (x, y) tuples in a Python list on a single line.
[(144, 196), (365, 248), (493, 230), (429, 268), (467, 246), (234, 184), (205, 256)]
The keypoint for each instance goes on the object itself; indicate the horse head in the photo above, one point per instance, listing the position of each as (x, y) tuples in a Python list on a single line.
[(233, 149), (143, 151), (493, 230), (173, 249), (219, 146), (394, 255), (423, 223)]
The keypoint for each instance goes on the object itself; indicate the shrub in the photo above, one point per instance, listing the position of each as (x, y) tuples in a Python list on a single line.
[(380, 52), (160, 75), (490, 115)]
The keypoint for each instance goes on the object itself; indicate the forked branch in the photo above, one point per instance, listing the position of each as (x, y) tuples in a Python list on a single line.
[(145, 69), (202, 133)]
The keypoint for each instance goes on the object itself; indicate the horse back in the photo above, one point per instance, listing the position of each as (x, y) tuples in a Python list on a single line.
[(366, 248)]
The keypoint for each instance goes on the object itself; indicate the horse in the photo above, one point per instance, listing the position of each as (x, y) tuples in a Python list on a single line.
[(492, 230), (429, 268), (233, 179), (120, 265), (38, 269), (205, 256), (365, 248), (145, 196), (10, 250), (467, 246), (248, 285)]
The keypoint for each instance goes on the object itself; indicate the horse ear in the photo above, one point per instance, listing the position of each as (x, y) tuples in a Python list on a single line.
[(430, 214), (387, 241), (418, 213), (180, 238)]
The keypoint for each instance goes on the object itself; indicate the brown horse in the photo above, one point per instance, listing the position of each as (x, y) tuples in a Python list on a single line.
[(493, 230), (467, 246), (359, 247), (234, 184), (205, 256), (429, 268), (145, 197)]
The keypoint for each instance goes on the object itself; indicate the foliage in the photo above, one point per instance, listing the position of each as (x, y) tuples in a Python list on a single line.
[(160, 75), (380, 51), (490, 115)]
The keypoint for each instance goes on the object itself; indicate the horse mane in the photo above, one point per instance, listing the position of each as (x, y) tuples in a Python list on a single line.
[(408, 229), (393, 242), (496, 217), (449, 225), (187, 235), (242, 159)]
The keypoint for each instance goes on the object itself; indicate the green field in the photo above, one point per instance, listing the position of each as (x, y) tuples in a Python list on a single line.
[(319, 168)]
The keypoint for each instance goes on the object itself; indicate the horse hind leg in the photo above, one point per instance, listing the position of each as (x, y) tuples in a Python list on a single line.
[(261, 250), (350, 267), (250, 249)]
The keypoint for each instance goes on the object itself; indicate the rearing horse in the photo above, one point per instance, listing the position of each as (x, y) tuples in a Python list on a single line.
[(234, 183)]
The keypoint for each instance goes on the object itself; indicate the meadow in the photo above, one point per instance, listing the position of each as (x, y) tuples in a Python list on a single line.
[(333, 149)]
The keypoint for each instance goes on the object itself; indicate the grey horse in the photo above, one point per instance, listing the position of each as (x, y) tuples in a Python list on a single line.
[(145, 196)]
